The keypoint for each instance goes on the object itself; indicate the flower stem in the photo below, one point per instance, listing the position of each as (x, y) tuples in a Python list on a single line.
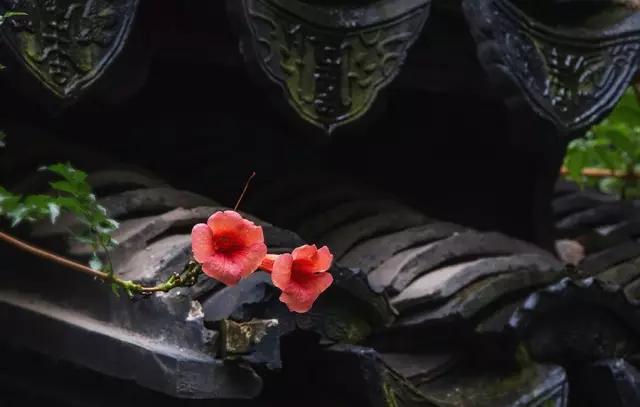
[(188, 277)]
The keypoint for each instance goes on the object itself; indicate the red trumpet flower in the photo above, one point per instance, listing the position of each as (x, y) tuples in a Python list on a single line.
[(302, 275), (229, 247)]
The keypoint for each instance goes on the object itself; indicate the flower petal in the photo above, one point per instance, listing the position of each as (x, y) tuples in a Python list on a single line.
[(202, 242), (308, 259), (281, 275), (230, 269), (223, 269), (301, 299), (306, 252), (232, 222), (324, 260), (249, 258), (294, 304), (300, 295)]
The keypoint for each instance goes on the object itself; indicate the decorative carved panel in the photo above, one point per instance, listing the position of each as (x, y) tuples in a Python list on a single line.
[(570, 75), (332, 61), (68, 44)]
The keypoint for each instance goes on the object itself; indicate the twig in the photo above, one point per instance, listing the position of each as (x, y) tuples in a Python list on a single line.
[(602, 173), (188, 276)]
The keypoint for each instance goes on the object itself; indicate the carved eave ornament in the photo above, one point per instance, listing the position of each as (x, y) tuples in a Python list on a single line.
[(331, 60), (570, 75), (67, 44)]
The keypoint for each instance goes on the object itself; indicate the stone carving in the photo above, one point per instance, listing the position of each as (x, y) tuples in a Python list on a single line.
[(68, 44), (331, 69), (570, 77)]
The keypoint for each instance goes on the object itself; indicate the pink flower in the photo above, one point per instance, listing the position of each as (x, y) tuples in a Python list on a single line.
[(229, 247), (302, 275)]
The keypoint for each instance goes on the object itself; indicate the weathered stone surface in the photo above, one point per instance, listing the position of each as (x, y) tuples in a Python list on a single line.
[(229, 300), (368, 380), (372, 253), (535, 385), (607, 327), (605, 214), (619, 275), (603, 260), (322, 223), (498, 320), (256, 341), (171, 367), (420, 367), (570, 204), (632, 292), (444, 282), (158, 261), (122, 179), (344, 238), (477, 297), (382, 276), (152, 201), (406, 266)]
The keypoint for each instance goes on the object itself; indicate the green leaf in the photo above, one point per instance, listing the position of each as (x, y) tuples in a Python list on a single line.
[(72, 205), (575, 162), (620, 138), (68, 187), (627, 114), (67, 172)]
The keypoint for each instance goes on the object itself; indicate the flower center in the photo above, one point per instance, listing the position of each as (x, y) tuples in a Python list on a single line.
[(226, 244)]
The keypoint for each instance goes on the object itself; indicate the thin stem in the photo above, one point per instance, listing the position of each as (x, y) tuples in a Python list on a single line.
[(188, 277), (244, 191), (36, 251)]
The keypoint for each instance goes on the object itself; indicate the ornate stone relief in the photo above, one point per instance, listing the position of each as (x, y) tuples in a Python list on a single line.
[(68, 44), (570, 76), (332, 61)]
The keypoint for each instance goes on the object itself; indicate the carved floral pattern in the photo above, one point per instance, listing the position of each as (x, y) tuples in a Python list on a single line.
[(570, 79), (67, 44), (330, 75)]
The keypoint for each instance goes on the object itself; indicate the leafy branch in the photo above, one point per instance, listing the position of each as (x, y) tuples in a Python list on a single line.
[(72, 194), (609, 155)]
